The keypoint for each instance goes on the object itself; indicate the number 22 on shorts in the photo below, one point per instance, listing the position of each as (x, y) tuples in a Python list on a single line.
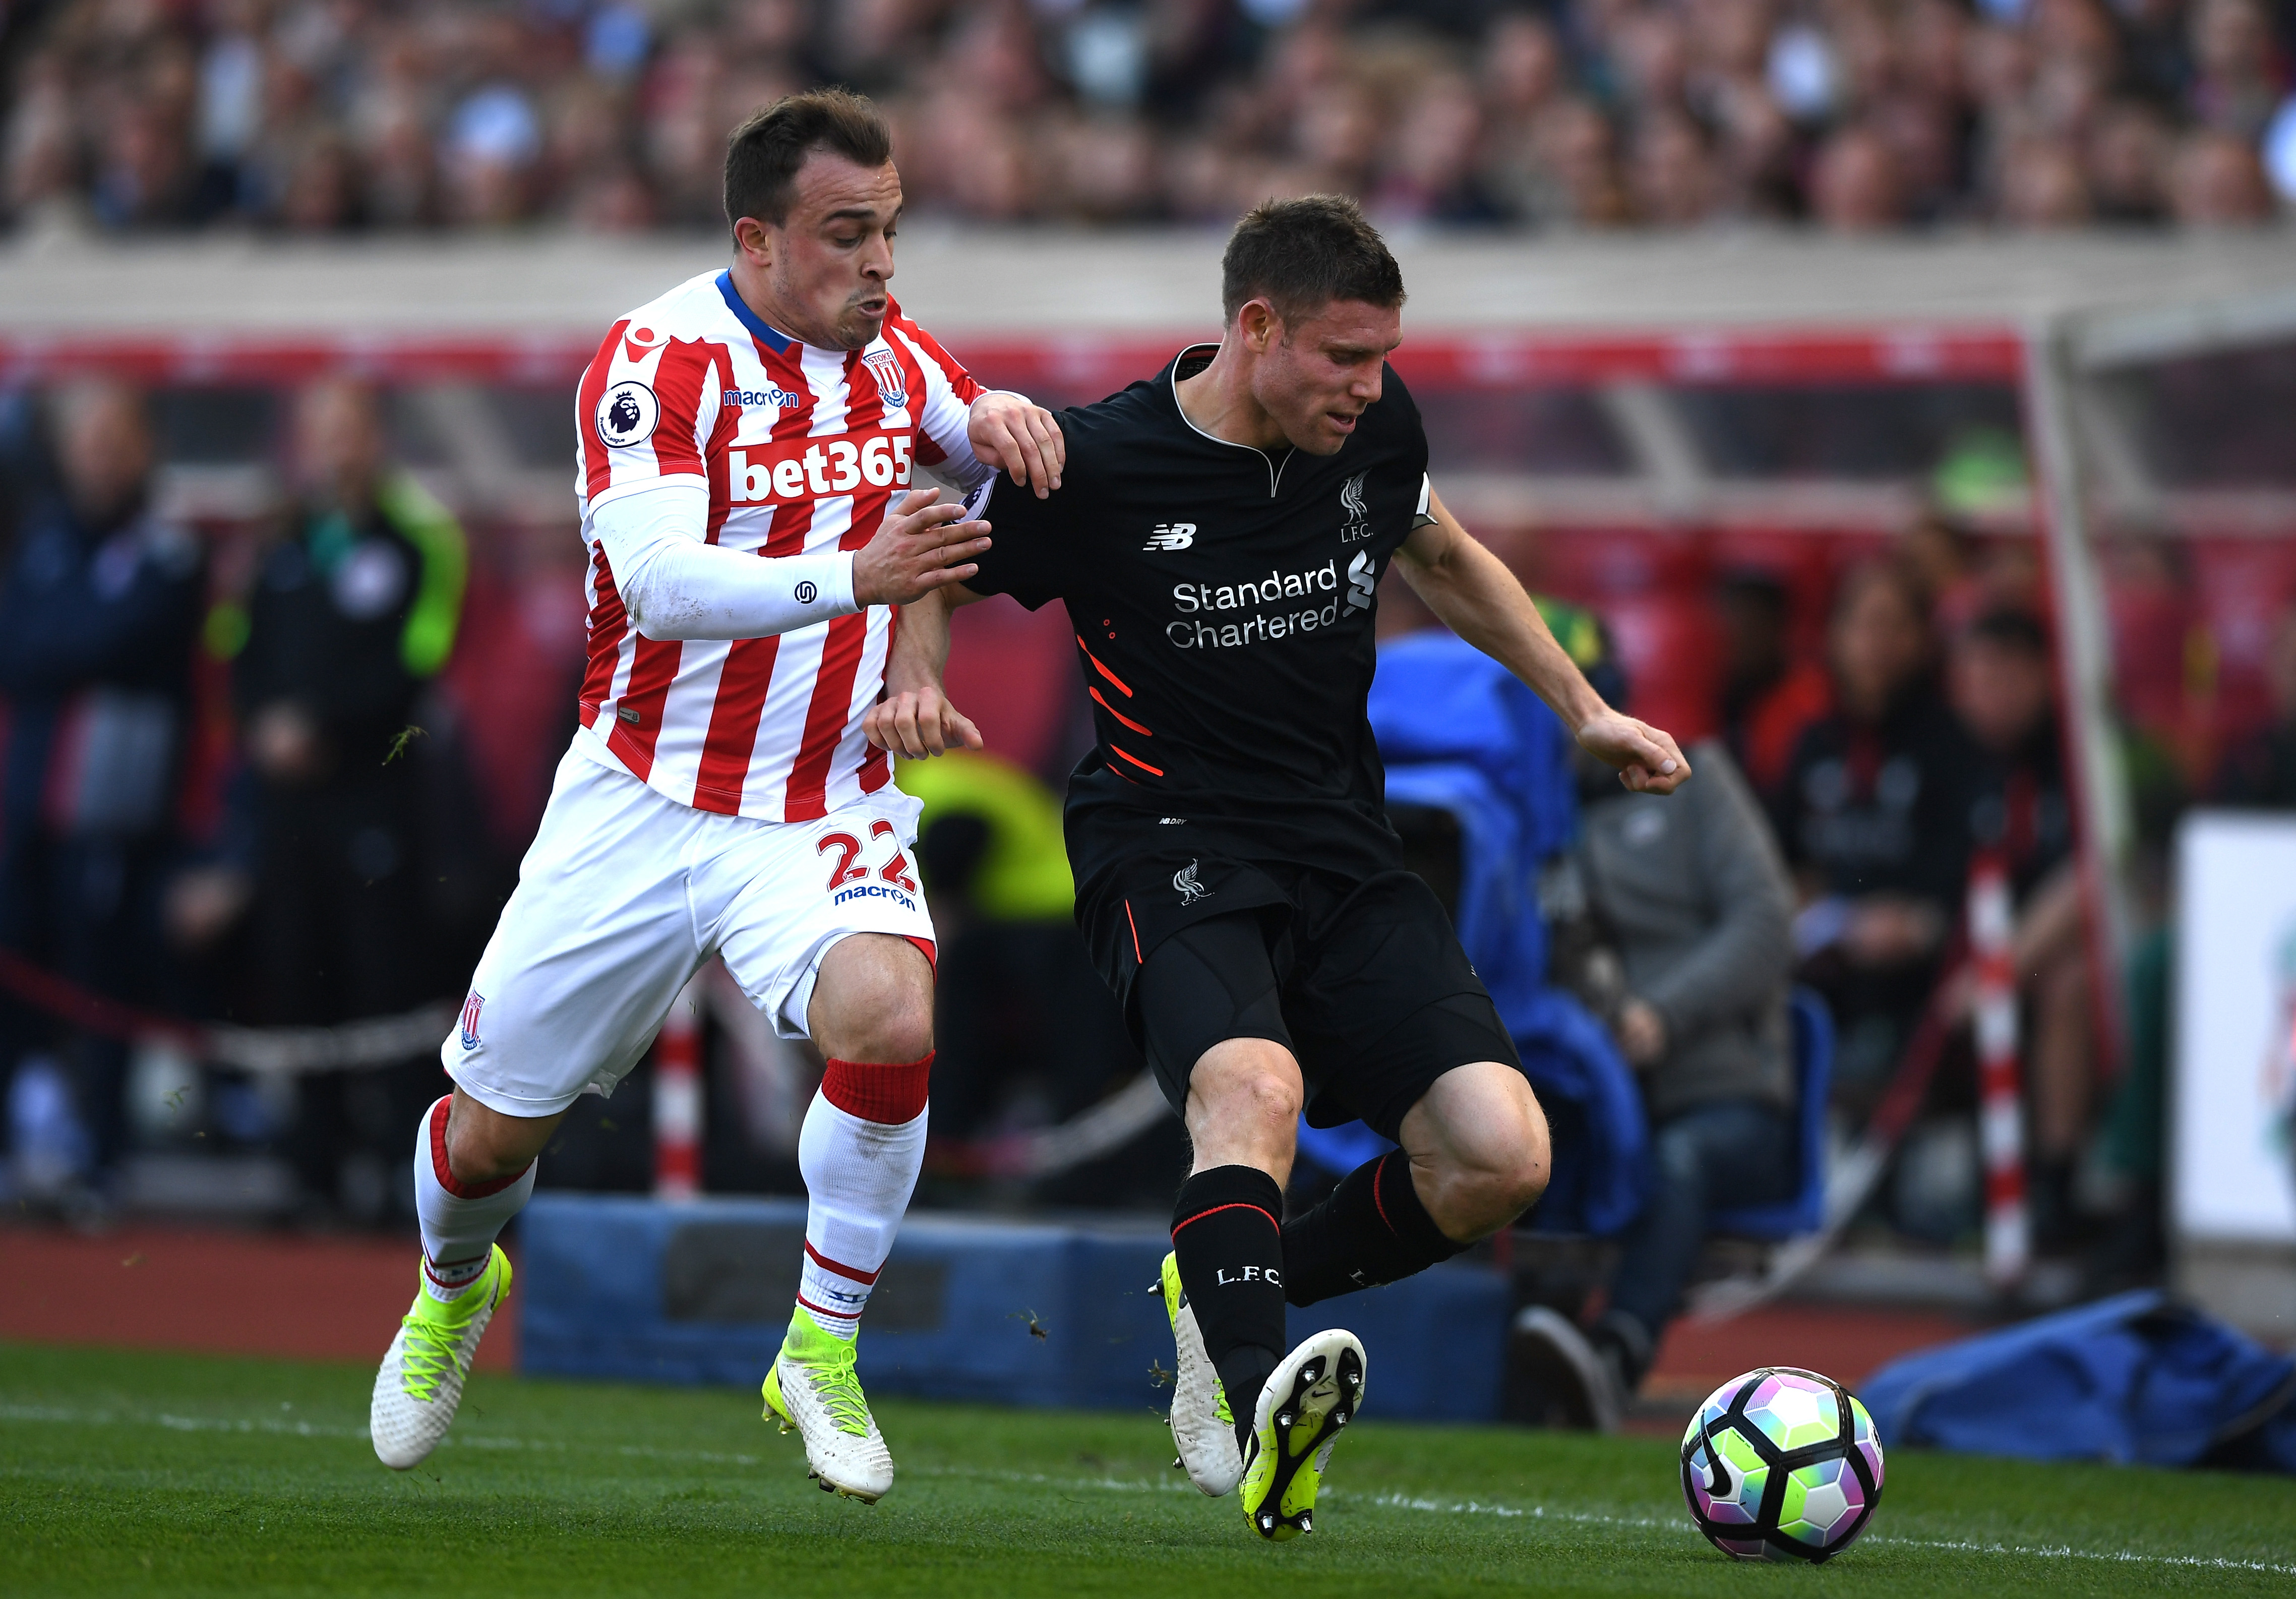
[(851, 869)]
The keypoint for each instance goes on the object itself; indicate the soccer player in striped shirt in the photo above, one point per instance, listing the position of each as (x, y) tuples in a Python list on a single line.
[(748, 441)]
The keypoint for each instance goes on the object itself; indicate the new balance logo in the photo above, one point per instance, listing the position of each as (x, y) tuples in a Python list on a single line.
[(1191, 890), (1170, 536)]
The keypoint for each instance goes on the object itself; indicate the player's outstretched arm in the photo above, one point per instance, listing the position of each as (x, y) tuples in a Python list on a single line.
[(915, 718), (679, 587), (1476, 596), (1013, 434)]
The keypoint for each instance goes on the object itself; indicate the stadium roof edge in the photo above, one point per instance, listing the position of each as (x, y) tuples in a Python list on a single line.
[(1062, 285)]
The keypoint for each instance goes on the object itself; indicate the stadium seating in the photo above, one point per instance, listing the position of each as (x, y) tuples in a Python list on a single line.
[(1813, 1043)]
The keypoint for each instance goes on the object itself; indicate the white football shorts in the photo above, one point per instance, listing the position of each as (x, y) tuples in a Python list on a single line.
[(622, 897)]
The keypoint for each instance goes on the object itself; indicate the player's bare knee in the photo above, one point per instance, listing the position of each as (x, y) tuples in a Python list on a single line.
[(872, 1002), (898, 1032), (1266, 1099), (1534, 1162), (1244, 1106), (1472, 1193), (903, 1035), (1515, 1157), (1521, 1184), (1518, 1172)]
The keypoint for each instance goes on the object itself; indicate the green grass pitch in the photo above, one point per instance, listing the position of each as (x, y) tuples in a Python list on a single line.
[(135, 1473)]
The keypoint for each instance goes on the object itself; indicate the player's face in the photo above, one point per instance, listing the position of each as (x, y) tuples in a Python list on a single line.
[(832, 254), (1317, 375)]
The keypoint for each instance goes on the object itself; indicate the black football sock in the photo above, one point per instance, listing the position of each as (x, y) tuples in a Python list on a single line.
[(1371, 1229), (1228, 1232)]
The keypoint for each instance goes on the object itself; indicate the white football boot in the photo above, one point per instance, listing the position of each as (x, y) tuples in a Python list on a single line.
[(812, 1390), (1203, 1428), (419, 1384)]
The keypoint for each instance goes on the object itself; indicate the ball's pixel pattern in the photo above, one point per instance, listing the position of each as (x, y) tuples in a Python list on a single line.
[(1781, 1464)]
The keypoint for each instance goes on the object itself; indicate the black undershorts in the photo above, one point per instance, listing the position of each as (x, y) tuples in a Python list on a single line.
[(1364, 981)]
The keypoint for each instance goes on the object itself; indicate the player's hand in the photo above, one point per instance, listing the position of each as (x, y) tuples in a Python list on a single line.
[(1012, 434), (1647, 760), (920, 547), (919, 723)]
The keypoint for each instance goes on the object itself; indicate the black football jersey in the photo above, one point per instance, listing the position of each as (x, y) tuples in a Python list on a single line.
[(1224, 601)]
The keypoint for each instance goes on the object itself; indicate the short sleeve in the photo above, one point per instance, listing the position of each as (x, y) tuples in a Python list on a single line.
[(1030, 544), (646, 413)]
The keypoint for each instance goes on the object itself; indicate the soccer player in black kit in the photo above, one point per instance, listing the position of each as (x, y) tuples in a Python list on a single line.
[(1218, 534)]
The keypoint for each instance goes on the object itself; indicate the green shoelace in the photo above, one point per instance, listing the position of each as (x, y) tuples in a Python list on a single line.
[(838, 1388), (427, 1355)]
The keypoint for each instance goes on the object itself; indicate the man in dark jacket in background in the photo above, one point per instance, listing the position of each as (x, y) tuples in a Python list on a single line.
[(1691, 912), (352, 616), (1873, 819), (102, 603)]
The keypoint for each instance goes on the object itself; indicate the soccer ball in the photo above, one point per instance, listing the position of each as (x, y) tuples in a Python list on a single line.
[(1781, 1464)]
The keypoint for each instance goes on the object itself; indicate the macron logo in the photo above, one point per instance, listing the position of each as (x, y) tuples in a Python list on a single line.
[(1170, 536)]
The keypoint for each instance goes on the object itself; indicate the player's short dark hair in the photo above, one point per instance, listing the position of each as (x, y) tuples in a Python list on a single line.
[(1300, 255), (763, 155)]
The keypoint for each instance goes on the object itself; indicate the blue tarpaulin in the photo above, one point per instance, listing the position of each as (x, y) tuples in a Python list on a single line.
[(2139, 1378), (977, 1308)]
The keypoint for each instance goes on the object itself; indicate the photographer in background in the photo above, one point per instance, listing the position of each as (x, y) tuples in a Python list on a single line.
[(1684, 950), (102, 600)]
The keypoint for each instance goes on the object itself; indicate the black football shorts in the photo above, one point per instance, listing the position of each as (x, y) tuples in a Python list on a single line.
[(1363, 981)]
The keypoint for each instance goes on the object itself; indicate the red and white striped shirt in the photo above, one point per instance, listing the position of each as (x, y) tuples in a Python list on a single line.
[(802, 450)]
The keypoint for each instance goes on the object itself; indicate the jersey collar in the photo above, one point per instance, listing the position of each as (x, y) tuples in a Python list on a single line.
[(1172, 387), (763, 330)]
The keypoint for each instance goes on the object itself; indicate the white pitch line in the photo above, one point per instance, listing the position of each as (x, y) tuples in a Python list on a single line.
[(299, 1428), (2215, 1563), (1386, 1500)]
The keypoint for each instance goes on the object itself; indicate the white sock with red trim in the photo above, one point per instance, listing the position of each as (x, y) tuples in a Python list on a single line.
[(860, 1148), (460, 1220)]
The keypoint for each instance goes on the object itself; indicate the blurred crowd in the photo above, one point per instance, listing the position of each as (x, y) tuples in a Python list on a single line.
[(1924, 745), (322, 117), (228, 792)]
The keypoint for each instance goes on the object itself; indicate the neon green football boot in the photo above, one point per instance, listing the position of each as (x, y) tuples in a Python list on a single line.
[(813, 1390), (420, 1385), (1203, 1428), (1308, 1397)]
